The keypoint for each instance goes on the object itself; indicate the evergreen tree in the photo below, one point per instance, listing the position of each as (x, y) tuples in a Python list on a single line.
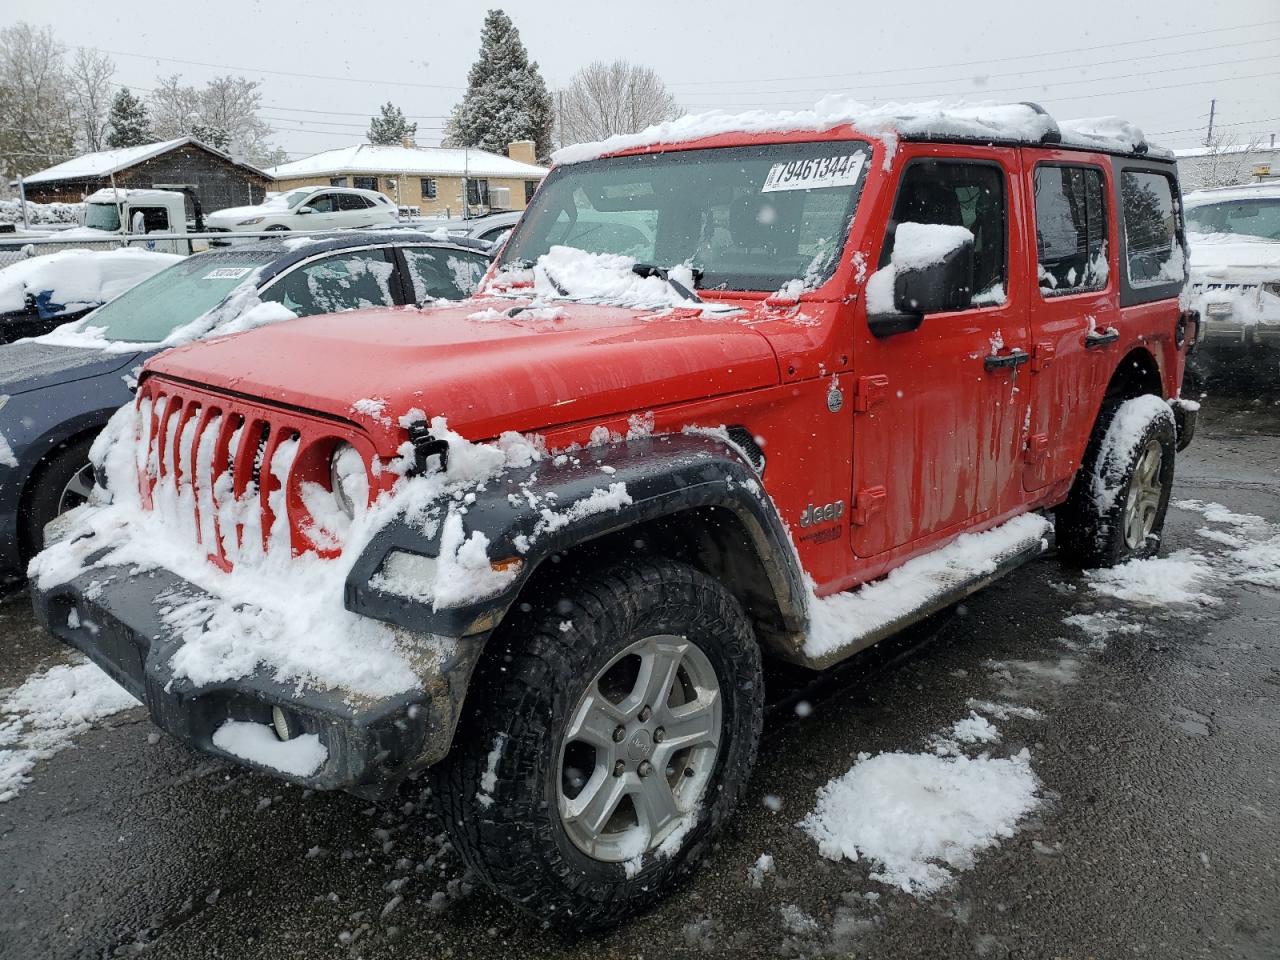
[(506, 97), (391, 128), (128, 124)]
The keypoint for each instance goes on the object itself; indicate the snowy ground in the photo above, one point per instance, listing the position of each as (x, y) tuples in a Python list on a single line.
[(1091, 773)]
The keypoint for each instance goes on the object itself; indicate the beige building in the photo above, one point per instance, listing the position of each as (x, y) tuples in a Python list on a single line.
[(428, 178)]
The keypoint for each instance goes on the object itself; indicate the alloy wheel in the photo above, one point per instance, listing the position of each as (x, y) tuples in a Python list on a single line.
[(640, 748)]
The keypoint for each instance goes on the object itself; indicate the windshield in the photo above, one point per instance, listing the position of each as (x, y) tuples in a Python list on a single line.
[(749, 218), (174, 297), (295, 197), (1253, 218), (102, 216)]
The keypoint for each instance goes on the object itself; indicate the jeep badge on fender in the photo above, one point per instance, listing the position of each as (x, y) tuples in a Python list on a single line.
[(813, 516)]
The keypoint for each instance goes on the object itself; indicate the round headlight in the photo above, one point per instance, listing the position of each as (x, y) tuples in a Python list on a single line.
[(346, 470)]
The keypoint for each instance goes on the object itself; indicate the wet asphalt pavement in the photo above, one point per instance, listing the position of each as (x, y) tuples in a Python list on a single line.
[(1159, 756)]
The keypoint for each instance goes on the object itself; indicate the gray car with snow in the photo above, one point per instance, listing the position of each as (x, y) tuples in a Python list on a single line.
[(57, 391)]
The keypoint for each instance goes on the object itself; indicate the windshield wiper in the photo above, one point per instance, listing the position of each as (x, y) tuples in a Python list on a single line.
[(652, 270)]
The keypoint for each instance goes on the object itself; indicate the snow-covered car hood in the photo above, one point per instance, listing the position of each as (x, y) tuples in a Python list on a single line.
[(489, 366), (29, 365), (230, 216), (1233, 258)]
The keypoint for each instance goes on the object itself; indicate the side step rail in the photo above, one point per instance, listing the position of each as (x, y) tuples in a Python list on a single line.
[(842, 624)]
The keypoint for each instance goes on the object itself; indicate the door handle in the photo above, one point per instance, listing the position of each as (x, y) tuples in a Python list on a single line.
[(1007, 361), (1100, 338)]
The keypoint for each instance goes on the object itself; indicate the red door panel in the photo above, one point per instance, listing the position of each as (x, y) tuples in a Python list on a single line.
[(938, 435)]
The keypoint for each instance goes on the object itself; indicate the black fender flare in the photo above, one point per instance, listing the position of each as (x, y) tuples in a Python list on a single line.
[(664, 475)]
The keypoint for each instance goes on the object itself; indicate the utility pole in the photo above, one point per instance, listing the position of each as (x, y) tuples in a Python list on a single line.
[(1213, 108), (560, 119)]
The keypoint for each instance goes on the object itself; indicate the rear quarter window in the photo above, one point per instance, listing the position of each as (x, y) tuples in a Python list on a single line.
[(1153, 254)]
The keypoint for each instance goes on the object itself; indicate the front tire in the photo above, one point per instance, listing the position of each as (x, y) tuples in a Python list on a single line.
[(62, 484), (1116, 509), (608, 735)]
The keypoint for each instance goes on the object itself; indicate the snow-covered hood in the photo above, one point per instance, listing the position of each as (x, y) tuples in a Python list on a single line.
[(233, 215), (1233, 258), (488, 365), (28, 365)]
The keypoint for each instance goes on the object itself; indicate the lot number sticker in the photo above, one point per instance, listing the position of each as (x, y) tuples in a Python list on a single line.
[(814, 173), (227, 273)]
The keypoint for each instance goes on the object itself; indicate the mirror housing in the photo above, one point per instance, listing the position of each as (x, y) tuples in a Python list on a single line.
[(302, 210), (940, 287)]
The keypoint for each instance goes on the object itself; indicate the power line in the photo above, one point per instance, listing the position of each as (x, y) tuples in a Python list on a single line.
[(278, 73), (986, 60), (1025, 86), (1064, 97)]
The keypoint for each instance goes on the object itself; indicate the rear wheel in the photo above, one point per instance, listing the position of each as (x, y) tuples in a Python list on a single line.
[(1116, 509), (63, 484), (606, 739)]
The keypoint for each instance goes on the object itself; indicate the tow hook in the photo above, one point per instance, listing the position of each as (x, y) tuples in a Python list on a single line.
[(426, 446)]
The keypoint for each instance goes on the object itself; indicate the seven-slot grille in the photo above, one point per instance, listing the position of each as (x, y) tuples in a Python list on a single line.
[(229, 472)]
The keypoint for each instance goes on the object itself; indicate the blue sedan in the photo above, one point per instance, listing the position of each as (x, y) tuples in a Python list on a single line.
[(58, 391)]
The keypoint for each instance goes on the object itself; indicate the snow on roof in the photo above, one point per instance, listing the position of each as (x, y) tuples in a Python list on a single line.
[(1243, 191), (413, 161), (1192, 152), (106, 162), (1006, 122)]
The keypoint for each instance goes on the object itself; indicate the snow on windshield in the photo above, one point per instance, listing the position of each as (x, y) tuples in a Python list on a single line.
[(566, 273), (233, 312)]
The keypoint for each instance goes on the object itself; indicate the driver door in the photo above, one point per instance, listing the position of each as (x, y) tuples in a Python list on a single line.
[(939, 410), (324, 213)]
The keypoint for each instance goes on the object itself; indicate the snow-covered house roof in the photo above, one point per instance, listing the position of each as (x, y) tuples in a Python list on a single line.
[(1193, 152), (411, 161), (989, 122), (104, 163)]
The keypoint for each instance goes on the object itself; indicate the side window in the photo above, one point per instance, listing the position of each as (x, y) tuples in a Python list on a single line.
[(957, 194), (353, 201), (438, 273), (1071, 229), (344, 281), (1153, 253), (154, 220), (428, 188), (321, 203)]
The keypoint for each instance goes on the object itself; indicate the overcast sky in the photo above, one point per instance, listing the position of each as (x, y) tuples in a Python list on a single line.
[(1156, 63)]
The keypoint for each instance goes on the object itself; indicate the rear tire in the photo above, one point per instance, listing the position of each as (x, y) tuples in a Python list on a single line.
[(1116, 509), (538, 759)]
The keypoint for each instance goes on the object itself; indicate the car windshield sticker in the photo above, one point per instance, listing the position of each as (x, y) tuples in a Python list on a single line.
[(814, 173), (227, 273)]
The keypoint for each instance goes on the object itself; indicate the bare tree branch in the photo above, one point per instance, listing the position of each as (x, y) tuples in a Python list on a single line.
[(604, 99), (89, 84)]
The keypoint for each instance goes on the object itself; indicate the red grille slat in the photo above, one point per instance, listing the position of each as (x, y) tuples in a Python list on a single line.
[(240, 439)]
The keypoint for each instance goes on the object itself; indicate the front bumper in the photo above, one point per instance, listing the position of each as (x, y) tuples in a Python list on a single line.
[(114, 616)]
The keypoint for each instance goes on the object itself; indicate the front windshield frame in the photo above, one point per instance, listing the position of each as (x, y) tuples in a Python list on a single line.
[(99, 322), (514, 251), (1194, 222)]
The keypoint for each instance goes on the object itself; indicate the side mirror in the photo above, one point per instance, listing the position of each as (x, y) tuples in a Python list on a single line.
[(302, 210), (944, 285)]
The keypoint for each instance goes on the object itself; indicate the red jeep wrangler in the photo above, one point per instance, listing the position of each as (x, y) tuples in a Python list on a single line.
[(726, 395)]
